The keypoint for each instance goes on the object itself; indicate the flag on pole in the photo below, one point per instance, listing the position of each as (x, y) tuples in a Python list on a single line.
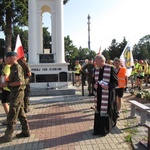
[(127, 59), (99, 52), (19, 48)]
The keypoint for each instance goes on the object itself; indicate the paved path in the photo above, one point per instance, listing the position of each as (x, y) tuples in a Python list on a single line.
[(65, 123)]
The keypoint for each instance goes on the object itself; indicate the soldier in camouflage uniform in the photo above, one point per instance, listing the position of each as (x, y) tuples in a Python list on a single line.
[(27, 73), (90, 68), (16, 85)]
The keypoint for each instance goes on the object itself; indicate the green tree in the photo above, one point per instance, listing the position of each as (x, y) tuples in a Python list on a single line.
[(46, 39), (106, 54), (71, 51), (92, 54), (142, 49), (113, 49), (13, 13), (23, 36), (121, 47), (116, 49), (65, 1), (85, 53)]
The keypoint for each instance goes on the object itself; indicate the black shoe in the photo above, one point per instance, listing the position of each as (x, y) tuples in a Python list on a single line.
[(22, 135), (5, 139), (4, 123), (91, 94), (26, 110), (118, 115), (95, 133)]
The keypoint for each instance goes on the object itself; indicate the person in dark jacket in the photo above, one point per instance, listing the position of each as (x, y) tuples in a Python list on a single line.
[(105, 81)]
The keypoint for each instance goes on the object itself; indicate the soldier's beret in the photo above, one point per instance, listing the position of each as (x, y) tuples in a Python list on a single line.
[(8, 54)]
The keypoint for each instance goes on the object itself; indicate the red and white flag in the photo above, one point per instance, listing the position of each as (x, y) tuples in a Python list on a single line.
[(19, 48)]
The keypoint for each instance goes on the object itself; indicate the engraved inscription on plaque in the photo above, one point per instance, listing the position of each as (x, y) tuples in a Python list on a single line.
[(46, 58), (47, 78)]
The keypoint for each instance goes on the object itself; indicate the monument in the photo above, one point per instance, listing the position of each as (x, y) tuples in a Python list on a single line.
[(49, 70)]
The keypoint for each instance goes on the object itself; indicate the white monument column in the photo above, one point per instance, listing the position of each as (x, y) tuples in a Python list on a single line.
[(32, 35), (39, 31), (53, 29), (60, 56)]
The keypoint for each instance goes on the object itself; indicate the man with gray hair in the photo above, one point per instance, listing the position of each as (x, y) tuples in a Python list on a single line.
[(105, 81)]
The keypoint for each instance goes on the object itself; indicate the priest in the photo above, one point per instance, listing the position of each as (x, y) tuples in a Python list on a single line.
[(105, 81)]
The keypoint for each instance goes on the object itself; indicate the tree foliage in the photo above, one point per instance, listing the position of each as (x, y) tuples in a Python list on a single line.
[(106, 54), (65, 1), (23, 36), (142, 49), (70, 51), (73, 53), (13, 13), (116, 49), (46, 38)]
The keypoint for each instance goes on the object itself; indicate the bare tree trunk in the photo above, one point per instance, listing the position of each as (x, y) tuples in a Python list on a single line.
[(8, 29)]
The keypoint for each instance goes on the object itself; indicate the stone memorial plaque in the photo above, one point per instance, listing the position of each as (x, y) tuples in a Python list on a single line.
[(47, 78), (46, 58)]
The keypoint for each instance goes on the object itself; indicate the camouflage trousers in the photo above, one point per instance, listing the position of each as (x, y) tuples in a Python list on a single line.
[(26, 97), (16, 112), (90, 84)]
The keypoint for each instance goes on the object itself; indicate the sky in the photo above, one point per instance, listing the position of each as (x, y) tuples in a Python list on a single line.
[(110, 19)]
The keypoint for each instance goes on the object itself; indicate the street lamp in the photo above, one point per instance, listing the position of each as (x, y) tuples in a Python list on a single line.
[(89, 31)]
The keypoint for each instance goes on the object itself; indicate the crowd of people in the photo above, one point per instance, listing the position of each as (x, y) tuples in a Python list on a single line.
[(107, 81), (14, 84)]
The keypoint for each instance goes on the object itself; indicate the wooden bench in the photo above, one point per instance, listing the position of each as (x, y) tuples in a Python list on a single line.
[(147, 144), (143, 108)]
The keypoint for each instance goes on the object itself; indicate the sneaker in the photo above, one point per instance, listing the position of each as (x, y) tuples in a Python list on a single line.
[(91, 94), (22, 135), (5, 139)]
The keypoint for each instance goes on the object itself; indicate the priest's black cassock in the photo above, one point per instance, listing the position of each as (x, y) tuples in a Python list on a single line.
[(104, 124)]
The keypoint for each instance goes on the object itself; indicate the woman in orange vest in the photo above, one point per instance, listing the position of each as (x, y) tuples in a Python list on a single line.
[(122, 81)]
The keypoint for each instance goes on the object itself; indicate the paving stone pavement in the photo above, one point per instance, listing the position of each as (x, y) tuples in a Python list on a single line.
[(65, 123)]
